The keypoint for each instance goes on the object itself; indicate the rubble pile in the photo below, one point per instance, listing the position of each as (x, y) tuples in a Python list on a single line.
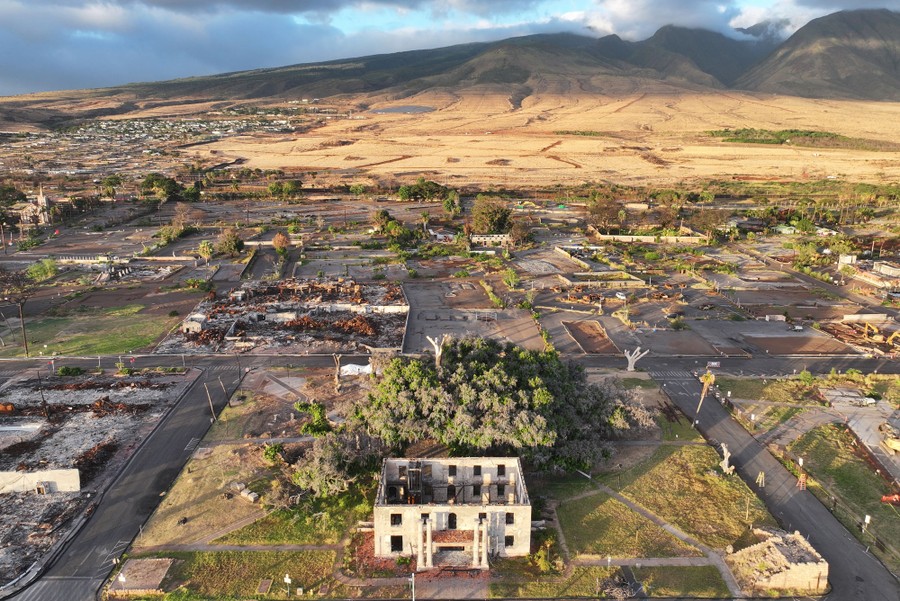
[(91, 423), (25, 541), (358, 324), (309, 316), (211, 337), (91, 462), (101, 384)]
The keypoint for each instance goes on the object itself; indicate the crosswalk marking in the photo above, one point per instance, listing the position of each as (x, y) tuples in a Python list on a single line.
[(672, 375), (192, 445)]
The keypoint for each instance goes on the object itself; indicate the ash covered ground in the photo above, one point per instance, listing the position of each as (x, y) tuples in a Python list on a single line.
[(296, 316), (91, 422)]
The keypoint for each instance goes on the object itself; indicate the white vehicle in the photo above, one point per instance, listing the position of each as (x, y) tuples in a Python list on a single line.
[(621, 296)]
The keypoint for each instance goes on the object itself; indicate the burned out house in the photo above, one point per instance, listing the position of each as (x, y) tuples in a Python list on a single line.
[(457, 511)]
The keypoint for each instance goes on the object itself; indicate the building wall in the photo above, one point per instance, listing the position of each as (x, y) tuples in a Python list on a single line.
[(476, 483), (467, 516), (886, 268), (800, 576)]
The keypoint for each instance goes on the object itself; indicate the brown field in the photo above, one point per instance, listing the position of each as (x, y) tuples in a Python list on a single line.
[(659, 136), (591, 337), (808, 345)]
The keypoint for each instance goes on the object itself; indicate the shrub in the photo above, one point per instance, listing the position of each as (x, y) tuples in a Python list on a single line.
[(511, 278), (318, 423), (198, 284), (273, 453), (42, 270), (806, 377), (69, 371)]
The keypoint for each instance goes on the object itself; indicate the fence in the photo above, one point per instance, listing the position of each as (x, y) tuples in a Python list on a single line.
[(848, 516)]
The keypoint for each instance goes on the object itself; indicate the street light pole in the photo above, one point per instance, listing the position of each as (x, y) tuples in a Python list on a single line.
[(240, 375), (22, 322)]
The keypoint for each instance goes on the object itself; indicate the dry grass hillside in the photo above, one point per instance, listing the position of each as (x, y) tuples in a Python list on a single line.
[(626, 136)]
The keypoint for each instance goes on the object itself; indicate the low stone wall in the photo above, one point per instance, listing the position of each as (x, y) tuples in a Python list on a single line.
[(800, 576), (597, 283), (866, 318), (653, 239)]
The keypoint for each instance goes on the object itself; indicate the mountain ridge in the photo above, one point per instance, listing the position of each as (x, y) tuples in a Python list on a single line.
[(845, 55)]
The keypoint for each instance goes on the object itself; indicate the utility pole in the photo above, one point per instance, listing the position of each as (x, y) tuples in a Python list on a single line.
[(209, 397)]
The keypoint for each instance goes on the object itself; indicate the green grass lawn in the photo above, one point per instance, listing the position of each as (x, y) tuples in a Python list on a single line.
[(684, 486), (680, 430), (230, 425), (644, 383), (780, 391), (835, 468), (581, 582), (889, 388), (601, 525), (236, 574), (691, 581), (92, 332), (559, 487), (767, 417)]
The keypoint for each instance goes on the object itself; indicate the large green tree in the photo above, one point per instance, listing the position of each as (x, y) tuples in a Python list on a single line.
[(490, 215), (603, 213), (10, 195), (487, 396), (164, 188)]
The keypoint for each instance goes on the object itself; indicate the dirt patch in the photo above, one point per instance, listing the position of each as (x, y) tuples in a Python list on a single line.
[(800, 345), (591, 337), (141, 577)]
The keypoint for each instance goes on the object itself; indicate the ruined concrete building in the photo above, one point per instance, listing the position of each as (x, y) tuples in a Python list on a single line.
[(780, 561), (452, 511)]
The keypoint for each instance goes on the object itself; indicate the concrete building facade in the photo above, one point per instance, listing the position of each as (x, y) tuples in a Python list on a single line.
[(452, 511)]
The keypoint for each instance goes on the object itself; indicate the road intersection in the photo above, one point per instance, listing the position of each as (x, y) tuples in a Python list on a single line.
[(79, 569)]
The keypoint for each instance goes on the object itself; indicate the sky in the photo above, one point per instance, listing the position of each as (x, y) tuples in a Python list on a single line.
[(73, 44)]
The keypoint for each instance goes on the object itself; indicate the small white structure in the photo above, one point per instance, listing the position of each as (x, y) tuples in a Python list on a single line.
[(441, 235), (491, 239), (442, 510), (43, 482), (194, 323)]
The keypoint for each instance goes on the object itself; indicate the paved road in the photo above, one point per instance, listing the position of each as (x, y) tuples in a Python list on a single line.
[(854, 574), (77, 574), (81, 569)]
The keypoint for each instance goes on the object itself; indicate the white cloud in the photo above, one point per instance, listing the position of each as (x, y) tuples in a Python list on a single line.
[(58, 44)]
